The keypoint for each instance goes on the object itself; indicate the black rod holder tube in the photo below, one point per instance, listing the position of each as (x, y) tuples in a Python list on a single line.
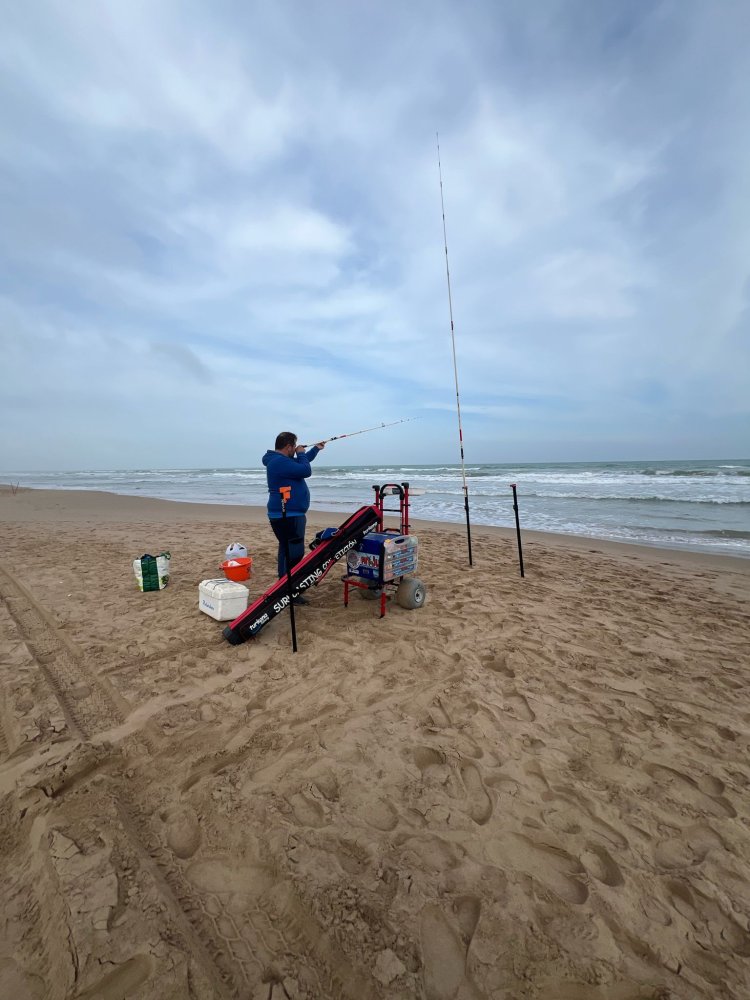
[(284, 491), (468, 527), (518, 528)]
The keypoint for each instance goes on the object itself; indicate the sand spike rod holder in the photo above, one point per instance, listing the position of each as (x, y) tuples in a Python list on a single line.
[(518, 528)]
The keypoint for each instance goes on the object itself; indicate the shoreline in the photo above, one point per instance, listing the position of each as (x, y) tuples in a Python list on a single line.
[(101, 506)]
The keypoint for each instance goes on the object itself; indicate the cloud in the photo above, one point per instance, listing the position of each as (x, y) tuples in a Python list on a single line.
[(182, 358), (239, 211)]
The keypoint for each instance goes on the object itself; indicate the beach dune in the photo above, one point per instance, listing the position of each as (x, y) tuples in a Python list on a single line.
[(528, 788)]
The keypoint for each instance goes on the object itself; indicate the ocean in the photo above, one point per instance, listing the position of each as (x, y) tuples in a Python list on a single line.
[(703, 506)]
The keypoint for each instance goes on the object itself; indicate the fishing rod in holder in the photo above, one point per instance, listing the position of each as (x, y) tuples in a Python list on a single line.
[(455, 366)]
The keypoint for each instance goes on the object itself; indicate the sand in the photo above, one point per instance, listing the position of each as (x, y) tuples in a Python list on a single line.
[(531, 788)]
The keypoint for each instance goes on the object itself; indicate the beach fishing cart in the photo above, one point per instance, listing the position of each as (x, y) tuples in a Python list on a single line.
[(382, 558), (383, 562)]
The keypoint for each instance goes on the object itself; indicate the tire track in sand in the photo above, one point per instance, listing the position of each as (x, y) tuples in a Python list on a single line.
[(89, 706), (4, 746), (246, 934)]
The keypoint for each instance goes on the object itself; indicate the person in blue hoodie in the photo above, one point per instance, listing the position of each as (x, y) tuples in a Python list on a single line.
[(289, 465)]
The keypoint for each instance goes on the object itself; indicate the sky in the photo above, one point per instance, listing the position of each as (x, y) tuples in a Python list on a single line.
[(221, 221)]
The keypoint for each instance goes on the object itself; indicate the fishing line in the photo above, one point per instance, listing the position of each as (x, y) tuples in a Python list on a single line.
[(366, 430), (455, 366)]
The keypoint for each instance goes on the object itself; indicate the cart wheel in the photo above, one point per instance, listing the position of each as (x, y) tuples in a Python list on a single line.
[(370, 594), (411, 594)]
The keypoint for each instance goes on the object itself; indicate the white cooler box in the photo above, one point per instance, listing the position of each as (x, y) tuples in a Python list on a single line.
[(222, 599)]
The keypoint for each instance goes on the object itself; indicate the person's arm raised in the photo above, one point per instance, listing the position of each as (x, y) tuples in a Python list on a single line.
[(297, 468), (313, 452)]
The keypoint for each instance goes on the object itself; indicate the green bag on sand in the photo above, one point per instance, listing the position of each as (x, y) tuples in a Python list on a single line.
[(152, 572)]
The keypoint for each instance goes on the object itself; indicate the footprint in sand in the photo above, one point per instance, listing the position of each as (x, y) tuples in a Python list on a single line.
[(504, 786), (183, 832), (726, 734), (124, 980), (689, 791), (323, 781), (257, 704), (222, 875), (689, 849), (353, 857), (21, 984), (307, 811), (716, 931), (710, 785), (438, 715), (673, 853), (681, 899), (443, 955), (480, 804), (656, 911), (702, 838), (380, 814), (555, 989), (499, 664), (518, 707), (599, 862), (430, 853), (562, 818), (430, 762), (535, 777), (567, 814), (551, 866), (207, 713), (466, 747), (467, 910), (327, 785), (532, 744), (601, 829)]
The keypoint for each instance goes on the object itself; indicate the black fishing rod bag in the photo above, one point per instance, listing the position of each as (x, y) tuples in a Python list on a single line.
[(308, 572)]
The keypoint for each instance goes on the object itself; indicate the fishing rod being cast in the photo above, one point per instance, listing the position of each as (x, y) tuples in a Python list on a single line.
[(455, 366), (366, 430)]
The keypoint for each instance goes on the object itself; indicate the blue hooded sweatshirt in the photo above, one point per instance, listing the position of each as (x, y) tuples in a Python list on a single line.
[(283, 471)]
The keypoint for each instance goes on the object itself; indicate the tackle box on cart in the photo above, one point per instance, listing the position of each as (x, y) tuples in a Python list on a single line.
[(384, 556)]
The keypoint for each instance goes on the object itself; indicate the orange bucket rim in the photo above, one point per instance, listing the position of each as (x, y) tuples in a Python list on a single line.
[(238, 569)]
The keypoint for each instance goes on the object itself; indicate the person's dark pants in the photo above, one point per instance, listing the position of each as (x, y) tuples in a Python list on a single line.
[(295, 532)]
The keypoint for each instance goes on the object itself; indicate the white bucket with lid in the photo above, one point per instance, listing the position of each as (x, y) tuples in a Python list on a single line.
[(236, 550)]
